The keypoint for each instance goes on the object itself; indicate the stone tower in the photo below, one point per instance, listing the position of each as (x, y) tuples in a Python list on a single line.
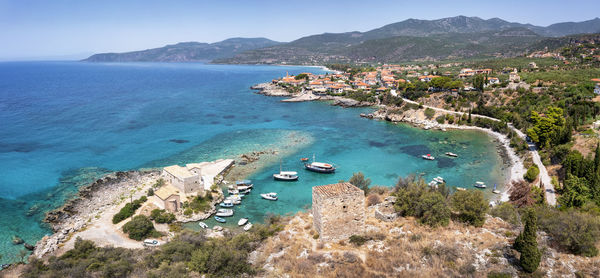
[(338, 211)]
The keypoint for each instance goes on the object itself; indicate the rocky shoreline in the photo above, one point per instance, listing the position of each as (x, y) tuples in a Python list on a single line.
[(91, 200), (270, 89)]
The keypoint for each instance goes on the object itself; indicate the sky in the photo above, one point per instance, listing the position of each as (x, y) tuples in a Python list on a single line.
[(74, 29)]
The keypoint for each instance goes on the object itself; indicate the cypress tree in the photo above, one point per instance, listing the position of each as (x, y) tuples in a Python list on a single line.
[(469, 119), (526, 243), (597, 158)]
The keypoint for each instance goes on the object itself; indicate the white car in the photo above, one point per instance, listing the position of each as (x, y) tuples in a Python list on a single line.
[(151, 242)]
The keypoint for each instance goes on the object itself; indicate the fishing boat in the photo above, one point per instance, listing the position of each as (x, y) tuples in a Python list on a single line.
[(428, 157), (202, 225), (451, 154), (285, 175), (247, 183), (226, 204), (480, 184), (319, 167), (247, 227), (219, 219), (269, 196), (495, 191), (242, 221), (439, 179), (224, 212)]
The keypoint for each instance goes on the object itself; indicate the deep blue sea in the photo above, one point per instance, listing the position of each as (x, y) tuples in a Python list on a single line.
[(63, 124)]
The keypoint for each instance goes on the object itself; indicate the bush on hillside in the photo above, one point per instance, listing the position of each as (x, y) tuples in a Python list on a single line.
[(574, 231), (128, 210), (429, 113), (162, 216), (140, 228), (532, 173), (471, 206)]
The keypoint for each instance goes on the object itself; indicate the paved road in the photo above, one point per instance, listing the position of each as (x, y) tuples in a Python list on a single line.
[(544, 177)]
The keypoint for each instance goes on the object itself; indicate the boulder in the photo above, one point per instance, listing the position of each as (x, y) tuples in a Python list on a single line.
[(16, 240)]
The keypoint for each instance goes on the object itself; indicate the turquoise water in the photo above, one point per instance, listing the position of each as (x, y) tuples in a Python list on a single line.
[(63, 124)]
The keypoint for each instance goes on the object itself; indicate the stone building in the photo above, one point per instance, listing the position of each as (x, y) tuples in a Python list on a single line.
[(338, 211), (167, 198), (186, 179)]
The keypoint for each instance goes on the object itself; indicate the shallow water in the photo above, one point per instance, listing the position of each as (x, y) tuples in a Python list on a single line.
[(66, 123)]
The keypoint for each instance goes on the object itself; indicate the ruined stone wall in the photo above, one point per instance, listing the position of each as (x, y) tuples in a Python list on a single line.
[(338, 217)]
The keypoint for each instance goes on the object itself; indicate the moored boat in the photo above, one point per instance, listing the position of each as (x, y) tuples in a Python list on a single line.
[(286, 176), (247, 183), (224, 212), (480, 184), (202, 225), (439, 179), (248, 226), (269, 196), (451, 154), (226, 204), (219, 219), (319, 167), (242, 221), (428, 157)]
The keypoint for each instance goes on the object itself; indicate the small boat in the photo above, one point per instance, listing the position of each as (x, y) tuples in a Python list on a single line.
[(480, 184), (219, 219), (495, 191), (202, 225), (451, 154), (235, 201), (319, 167), (247, 183), (433, 184), (461, 189), (242, 221), (247, 227), (233, 191), (224, 212), (286, 176), (428, 157), (241, 188), (304, 159), (439, 179), (269, 196), (226, 204), (246, 191)]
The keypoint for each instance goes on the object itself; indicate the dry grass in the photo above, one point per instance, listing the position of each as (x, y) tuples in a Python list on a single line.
[(404, 248)]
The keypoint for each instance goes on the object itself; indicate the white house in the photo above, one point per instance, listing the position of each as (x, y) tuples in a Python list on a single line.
[(187, 180)]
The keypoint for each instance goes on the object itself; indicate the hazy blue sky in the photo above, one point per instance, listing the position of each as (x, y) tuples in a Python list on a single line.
[(31, 29)]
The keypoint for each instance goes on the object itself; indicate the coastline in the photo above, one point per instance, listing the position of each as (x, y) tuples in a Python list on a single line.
[(515, 169)]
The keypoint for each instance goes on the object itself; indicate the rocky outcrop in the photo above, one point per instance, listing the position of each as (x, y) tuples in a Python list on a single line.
[(270, 89), (91, 200), (347, 102)]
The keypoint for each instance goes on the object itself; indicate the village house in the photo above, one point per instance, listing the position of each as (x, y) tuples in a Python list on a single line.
[(167, 197), (597, 88), (493, 80), (427, 78), (514, 77), (186, 180), (338, 211)]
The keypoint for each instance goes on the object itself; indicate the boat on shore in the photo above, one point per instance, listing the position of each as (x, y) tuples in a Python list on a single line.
[(247, 227), (269, 196), (451, 154), (495, 191), (242, 221), (319, 167), (220, 220), (224, 212), (480, 184), (428, 157)]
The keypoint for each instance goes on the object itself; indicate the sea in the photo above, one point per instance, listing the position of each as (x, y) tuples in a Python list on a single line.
[(65, 124)]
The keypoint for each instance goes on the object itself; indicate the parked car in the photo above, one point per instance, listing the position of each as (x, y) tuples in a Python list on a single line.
[(151, 242)]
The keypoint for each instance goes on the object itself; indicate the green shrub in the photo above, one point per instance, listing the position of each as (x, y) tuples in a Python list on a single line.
[(139, 228), (150, 192), (574, 231), (358, 180), (429, 113), (507, 212), (128, 210), (358, 240), (161, 216), (532, 173), (471, 206), (413, 198), (441, 119)]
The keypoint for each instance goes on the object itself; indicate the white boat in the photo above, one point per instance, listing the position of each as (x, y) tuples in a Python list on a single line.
[(319, 167), (439, 179), (269, 196), (242, 221), (224, 212), (235, 201), (428, 157), (495, 191), (248, 226), (247, 183), (480, 184), (285, 175), (451, 154), (433, 184), (202, 225), (233, 191), (461, 189)]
